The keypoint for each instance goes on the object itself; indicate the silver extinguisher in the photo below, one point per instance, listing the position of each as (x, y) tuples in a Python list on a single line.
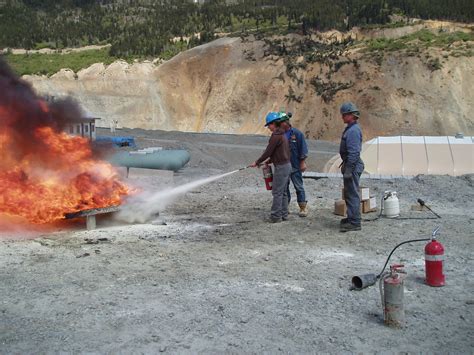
[(391, 292)]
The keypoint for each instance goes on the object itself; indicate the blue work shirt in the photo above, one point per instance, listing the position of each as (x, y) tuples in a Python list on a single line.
[(350, 148), (298, 147)]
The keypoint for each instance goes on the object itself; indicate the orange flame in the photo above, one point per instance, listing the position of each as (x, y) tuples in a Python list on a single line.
[(45, 173), (59, 176)]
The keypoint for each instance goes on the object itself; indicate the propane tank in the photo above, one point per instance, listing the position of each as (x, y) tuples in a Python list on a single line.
[(392, 296), (434, 256), (268, 176), (390, 207)]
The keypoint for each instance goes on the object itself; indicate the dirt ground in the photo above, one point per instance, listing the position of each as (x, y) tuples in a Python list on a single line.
[(211, 276)]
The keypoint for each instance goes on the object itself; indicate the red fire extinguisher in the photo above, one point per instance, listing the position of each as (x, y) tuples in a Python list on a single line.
[(268, 176), (434, 256)]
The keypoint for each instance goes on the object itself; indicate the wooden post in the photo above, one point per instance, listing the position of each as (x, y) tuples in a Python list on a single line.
[(90, 222)]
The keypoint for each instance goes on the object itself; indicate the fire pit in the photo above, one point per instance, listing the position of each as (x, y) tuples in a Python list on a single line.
[(90, 215)]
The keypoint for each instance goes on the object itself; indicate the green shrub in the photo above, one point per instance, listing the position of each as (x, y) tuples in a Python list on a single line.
[(434, 64), (42, 45), (386, 44), (421, 40), (48, 64)]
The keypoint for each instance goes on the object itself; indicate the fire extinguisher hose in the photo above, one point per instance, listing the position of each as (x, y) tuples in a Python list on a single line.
[(405, 242)]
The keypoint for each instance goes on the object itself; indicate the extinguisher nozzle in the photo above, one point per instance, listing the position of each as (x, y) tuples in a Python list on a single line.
[(363, 281)]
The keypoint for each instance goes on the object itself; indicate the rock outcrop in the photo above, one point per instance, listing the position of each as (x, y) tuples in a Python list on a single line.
[(228, 86)]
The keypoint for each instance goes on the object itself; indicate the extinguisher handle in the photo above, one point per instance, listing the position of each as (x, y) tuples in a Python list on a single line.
[(435, 232), (397, 268)]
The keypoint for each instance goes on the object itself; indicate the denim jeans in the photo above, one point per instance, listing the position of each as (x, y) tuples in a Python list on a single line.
[(351, 195), (279, 185), (297, 178)]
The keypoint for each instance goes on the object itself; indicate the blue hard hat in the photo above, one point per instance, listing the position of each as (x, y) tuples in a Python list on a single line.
[(272, 117), (349, 107)]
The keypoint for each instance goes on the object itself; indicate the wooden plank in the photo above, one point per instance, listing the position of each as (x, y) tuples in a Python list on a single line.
[(92, 212)]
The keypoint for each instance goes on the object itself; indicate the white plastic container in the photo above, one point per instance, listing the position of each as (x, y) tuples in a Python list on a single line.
[(391, 205)]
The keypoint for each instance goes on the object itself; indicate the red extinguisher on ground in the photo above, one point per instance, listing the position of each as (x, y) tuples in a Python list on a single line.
[(434, 257), (267, 176)]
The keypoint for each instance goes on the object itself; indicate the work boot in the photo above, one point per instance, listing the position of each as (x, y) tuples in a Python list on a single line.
[(344, 221), (349, 227), (274, 220), (303, 209)]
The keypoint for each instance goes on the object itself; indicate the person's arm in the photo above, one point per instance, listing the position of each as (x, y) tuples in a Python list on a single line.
[(272, 145), (265, 162), (302, 151), (302, 146)]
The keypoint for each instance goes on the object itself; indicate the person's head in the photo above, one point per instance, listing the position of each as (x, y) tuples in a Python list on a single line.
[(349, 111), (285, 119), (272, 121)]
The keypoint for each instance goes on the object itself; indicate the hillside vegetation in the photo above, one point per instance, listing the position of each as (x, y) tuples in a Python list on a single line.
[(411, 79), (152, 28), (48, 64), (453, 44)]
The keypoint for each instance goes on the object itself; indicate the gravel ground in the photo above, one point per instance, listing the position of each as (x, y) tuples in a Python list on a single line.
[(211, 276)]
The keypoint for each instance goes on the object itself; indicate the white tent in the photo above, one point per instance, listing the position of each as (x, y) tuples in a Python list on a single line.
[(413, 155)]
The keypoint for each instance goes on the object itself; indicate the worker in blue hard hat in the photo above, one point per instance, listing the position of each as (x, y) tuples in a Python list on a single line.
[(271, 117), (299, 153), (352, 166), (277, 153)]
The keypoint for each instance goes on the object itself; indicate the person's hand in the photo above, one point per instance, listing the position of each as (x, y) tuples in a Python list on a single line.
[(347, 174), (303, 166), (253, 165)]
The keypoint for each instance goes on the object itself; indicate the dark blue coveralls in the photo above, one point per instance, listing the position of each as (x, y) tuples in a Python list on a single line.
[(352, 167), (299, 151)]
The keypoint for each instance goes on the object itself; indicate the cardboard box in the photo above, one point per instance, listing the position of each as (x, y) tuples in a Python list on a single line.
[(340, 208), (369, 205), (364, 193), (366, 206)]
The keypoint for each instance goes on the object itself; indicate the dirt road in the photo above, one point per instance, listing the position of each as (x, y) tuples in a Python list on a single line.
[(210, 276)]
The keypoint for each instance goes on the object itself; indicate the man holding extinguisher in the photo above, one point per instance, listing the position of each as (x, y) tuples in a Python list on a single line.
[(278, 153)]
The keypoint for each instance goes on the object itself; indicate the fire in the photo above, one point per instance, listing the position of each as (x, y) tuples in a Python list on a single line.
[(65, 179), (44, 172)]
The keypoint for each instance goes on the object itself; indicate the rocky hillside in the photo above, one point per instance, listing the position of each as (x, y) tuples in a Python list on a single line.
[(228, 85)]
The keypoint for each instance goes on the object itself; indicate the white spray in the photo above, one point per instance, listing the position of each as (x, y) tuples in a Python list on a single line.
[(145, 206)]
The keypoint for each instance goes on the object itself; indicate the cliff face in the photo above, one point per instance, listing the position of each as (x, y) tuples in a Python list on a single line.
[(229, 85)]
